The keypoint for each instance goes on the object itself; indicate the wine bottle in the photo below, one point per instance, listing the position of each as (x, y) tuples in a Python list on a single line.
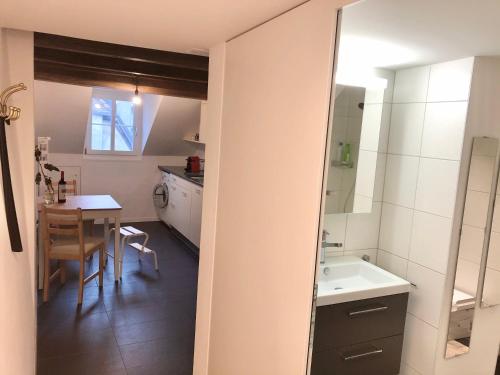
[(61, 190)]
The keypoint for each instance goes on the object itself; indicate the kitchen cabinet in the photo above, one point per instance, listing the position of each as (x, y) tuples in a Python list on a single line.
[(184, 208), (195, 215)]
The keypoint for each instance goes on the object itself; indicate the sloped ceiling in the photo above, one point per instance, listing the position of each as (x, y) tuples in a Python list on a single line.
[(176, 118), (61, 112)]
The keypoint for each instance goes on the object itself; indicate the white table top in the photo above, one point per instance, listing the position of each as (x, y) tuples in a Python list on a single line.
[(88, 203)]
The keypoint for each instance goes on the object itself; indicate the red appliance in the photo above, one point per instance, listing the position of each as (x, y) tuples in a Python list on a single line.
[(193, 164)]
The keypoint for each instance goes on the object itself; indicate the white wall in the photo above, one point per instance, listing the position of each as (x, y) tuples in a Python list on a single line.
[(425, 147), (130, 181), (62, 112), (276, 96), (17, 270), (483, 119), (209, 211)]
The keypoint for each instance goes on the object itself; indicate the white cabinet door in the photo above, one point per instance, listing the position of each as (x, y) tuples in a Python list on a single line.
[(195, 215), (180, 208), (203, 121)]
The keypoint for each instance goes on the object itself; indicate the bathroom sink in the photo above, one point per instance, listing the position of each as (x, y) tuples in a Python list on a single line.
[(351, 278)]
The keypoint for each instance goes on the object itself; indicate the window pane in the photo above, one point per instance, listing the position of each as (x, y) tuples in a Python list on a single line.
[(124, 122), (102, 112)]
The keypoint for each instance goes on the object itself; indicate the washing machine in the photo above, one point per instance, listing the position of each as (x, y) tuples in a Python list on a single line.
[(160, 197)]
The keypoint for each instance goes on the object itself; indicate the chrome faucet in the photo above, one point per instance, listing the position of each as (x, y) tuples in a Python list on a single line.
[(325, 244)]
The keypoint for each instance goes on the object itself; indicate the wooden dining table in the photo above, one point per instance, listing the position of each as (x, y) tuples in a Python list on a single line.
[(93, 207)]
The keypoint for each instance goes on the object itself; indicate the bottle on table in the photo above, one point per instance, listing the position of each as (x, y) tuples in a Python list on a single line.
[(61, 191)]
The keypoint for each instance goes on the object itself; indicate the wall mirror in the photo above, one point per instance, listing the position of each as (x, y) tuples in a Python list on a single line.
[(356, 126), (473, 240)]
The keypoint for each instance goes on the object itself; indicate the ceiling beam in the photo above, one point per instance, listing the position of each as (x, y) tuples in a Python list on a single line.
[(90, 63), (53, 72)]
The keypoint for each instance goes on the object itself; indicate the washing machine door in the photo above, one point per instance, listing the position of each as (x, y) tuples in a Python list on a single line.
[(160, 196)]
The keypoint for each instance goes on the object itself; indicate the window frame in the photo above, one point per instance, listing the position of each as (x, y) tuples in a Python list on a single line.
[(114, 95)]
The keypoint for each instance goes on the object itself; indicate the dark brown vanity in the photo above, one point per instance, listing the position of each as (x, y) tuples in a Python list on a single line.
[(360, 337)]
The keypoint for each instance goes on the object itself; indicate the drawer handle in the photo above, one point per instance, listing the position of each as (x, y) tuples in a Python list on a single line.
[(353, 357), (353, 314)]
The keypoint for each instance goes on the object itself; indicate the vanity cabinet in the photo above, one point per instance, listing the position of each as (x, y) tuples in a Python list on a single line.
[(360, 337)]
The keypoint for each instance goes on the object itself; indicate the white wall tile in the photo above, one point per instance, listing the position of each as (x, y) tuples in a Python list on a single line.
[(467, 276), (372, 253), (491, 295), (353, 134), (411, 85), (476, 208), (430, 241), (362, 203), (400, 180), (335, 224), (419, 347), (450, 81), (426, 298), (379, 177), (385, 127), (407, 122), (407, 370), (471, 243), (371, 124), (392, 263), (395, 229), (363, 229), (444, 130), (495, 225), (494, 251), (436, 186)]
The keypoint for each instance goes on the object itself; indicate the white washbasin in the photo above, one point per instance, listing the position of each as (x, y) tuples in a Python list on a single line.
[(350, 279)]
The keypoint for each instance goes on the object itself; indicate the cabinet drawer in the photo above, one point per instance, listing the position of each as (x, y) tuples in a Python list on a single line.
[(377, 357), (359, 321)]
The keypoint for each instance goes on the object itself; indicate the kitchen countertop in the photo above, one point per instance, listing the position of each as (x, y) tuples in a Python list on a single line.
[(180, 172)]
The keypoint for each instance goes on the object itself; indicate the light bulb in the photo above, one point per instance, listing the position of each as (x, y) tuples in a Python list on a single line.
[(137, 99)]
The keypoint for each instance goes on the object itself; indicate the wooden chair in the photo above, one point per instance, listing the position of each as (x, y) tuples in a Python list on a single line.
[(64, 240), (72, 190)]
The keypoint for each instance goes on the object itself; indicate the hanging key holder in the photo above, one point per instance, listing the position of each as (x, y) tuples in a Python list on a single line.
[(7, 115)]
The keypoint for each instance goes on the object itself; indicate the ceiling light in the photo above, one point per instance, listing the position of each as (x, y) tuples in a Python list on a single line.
[(136, 99)]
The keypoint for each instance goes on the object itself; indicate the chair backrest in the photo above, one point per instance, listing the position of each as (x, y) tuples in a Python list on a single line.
[(71, 187), (64, 223)]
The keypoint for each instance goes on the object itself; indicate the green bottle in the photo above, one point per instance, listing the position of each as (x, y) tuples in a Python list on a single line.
[(346, 154)]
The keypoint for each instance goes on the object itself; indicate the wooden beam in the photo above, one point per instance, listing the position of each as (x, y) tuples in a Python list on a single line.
[(90, 47), (89, 63), (53, 72), (117, 64)]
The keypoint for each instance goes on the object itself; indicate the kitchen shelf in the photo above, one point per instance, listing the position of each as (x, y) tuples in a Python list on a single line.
[(342, 165), (194, 141)]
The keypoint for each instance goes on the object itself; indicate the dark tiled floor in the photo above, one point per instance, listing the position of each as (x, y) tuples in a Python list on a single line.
[(144, 325)]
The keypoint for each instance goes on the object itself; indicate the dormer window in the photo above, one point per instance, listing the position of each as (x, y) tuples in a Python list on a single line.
[(114, 125)]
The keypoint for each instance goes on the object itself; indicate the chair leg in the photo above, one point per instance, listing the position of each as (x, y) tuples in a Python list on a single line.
[(46, 279), (62, 266), (101, 267), (81, 281)]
